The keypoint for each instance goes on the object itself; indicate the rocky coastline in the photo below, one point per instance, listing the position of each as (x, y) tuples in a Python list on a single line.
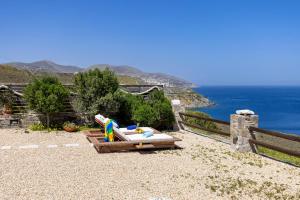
[(189, 99)]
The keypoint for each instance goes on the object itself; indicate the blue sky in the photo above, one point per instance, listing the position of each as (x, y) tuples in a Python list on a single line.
[(213, 42)]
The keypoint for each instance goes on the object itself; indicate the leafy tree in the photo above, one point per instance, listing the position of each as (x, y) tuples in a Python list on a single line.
[(96, 92), (107, 105), (46, 95)]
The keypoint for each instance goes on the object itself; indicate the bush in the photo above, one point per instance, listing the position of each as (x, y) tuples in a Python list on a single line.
[(145, 115), (37, 127), (128, 104), (156, 111), (163, 108), (98, 93), (202, 123), (108, 105), (93, 85), (46, 95)]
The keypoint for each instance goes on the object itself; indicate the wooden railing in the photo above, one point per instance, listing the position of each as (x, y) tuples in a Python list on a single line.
[(184, 121), (276, 147)]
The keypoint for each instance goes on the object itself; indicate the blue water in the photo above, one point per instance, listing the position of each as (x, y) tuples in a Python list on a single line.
[(278, 107)]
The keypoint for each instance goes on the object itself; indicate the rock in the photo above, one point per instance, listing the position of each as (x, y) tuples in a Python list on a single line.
[(187, 97)]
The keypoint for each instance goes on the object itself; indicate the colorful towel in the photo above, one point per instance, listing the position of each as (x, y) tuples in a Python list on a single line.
[(108, 125), (109, 132)]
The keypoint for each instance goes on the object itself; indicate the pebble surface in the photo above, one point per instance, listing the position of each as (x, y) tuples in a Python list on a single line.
[(203, 169)]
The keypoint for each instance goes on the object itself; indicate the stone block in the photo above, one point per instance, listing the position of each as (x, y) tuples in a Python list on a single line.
[(239, 131)]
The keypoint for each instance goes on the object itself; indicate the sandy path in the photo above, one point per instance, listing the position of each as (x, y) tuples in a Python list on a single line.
[(204, 169)]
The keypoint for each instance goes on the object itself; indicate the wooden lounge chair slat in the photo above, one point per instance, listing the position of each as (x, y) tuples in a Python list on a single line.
[(141, 146), (121, 144)]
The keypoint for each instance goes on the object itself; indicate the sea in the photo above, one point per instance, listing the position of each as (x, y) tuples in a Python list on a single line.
[(278, 107)]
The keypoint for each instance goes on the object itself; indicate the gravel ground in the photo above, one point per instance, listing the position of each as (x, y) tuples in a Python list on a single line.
[(203, 169)]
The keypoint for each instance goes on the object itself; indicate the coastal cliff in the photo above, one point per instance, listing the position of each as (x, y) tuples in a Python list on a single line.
[(188, 97)]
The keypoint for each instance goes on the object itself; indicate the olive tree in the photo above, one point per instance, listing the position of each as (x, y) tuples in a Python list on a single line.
[(96, 92), (46, 95)]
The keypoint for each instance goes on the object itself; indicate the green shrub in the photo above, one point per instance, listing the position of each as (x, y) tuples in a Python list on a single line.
[(199, 122), (46, 95), (128, 104), (37, 127), (163, 108), (91, 88), (97, 92), (41, 127), (108, 105), (156, 111), (145, 115)]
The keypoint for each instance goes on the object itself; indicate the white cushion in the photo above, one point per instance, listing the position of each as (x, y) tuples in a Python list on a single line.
[(131, 131), (117, 130), (245, 112), (139, 136), (161, 136)]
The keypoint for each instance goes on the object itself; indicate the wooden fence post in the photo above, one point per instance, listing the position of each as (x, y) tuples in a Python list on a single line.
[(239, 132)]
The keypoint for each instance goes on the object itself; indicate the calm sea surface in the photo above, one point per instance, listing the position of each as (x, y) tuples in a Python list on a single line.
[(278, 107)]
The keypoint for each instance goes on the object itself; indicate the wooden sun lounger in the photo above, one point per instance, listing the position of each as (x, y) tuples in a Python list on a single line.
[(120, 144)]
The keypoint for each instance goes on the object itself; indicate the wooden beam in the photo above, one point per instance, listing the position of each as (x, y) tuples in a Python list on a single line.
[(205, 129), (204, 118), (276, 148), (276, 134)]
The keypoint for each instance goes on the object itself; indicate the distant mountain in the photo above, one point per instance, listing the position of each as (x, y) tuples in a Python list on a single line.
[(10, 74), (121, 69), (150, 78), (45, 66)]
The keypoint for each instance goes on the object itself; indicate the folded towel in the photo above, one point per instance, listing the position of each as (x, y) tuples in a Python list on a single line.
[(148, 134), (132, 127)]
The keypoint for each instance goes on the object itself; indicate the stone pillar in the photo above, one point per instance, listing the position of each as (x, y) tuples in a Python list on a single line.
[(177, 108), (239, 133)]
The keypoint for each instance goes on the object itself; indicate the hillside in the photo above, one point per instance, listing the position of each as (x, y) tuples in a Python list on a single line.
[(45, 66), (150, 78), (9, 74)]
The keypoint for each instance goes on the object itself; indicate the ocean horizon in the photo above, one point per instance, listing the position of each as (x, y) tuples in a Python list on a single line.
[(278, 107)]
